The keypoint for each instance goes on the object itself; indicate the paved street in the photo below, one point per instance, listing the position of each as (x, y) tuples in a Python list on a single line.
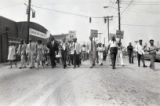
[(100, 86)]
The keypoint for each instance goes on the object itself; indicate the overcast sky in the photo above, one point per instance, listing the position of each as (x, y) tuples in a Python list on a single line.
[(140, 18)]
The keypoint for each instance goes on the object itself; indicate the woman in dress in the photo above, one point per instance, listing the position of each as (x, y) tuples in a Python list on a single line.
[(100, 50), (12, 54), (120, 54)]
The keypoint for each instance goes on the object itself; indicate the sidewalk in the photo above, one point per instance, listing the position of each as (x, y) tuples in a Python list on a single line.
[(4, 64)]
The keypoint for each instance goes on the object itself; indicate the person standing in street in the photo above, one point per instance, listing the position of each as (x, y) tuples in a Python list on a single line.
[(32, 53), (100, 50), (28, 52), (71, 53), (77, 50), (83, 52), (40, 54), (120, 54), (22, 52), (92, 52), (113, 51), (152, 52), (64, 53), (130, 53), (53, 47), (140, 53), (12, 54), (104, 53)]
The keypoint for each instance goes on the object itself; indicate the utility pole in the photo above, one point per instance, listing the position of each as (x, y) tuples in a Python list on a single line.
[(108, 28), (28, 19), (108, 18), (119, 15)]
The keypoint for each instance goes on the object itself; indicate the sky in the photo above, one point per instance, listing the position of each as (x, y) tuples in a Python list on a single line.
[(140, 19)]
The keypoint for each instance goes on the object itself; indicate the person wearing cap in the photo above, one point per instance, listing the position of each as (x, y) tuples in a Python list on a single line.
[(140, 53), (152, 49)]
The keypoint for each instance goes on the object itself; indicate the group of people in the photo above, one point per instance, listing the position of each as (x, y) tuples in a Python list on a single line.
[(116, 51), (36, 54), (100, 51), (140, 51), (72, 53), (28, 54)]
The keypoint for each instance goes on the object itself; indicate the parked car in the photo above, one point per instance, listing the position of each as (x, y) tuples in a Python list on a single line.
[(147, 56)]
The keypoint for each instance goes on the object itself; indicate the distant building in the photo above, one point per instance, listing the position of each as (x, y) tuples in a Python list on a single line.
[(60, 36), (36, 31), (14, 32)]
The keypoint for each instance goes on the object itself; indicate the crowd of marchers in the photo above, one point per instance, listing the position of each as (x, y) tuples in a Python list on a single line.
[(115, 51), (72, 53), (35, 54)]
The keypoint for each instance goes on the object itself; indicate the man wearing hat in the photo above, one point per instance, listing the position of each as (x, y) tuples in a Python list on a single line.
[(152, 51), (140, 53)]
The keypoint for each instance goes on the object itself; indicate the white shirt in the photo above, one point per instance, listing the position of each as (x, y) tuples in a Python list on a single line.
[(113, 44), (64, 46), (100, 49), (140, 49), (72, 48), (83, 49)]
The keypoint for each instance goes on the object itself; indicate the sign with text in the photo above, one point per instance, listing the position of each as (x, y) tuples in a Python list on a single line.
[(34, 32), (120, 34), (72, 35), (94, 33)]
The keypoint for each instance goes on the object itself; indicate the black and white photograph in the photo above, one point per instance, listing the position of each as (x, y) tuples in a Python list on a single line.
[(79, 52)]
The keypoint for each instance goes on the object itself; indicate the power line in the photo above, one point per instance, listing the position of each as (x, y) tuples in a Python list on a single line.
[(142, 3), (129, 4), (65, 12), (140, 25)]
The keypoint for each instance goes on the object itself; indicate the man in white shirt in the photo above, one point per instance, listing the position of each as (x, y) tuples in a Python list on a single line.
[(140, 53), (64, 53), (113, 51), (76, 57)]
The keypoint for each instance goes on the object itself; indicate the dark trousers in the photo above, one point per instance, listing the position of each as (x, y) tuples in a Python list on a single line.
[(53, 58), (64, 58), (104, 56), (71, 59), (76, 59), (113, 53), (130, 56), (140, 57)]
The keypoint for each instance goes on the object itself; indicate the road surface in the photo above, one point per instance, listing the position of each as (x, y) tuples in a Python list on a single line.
[(99, 86)]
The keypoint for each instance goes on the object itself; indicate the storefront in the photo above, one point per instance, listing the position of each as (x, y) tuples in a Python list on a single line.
[(14, 32), (8, 30)]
